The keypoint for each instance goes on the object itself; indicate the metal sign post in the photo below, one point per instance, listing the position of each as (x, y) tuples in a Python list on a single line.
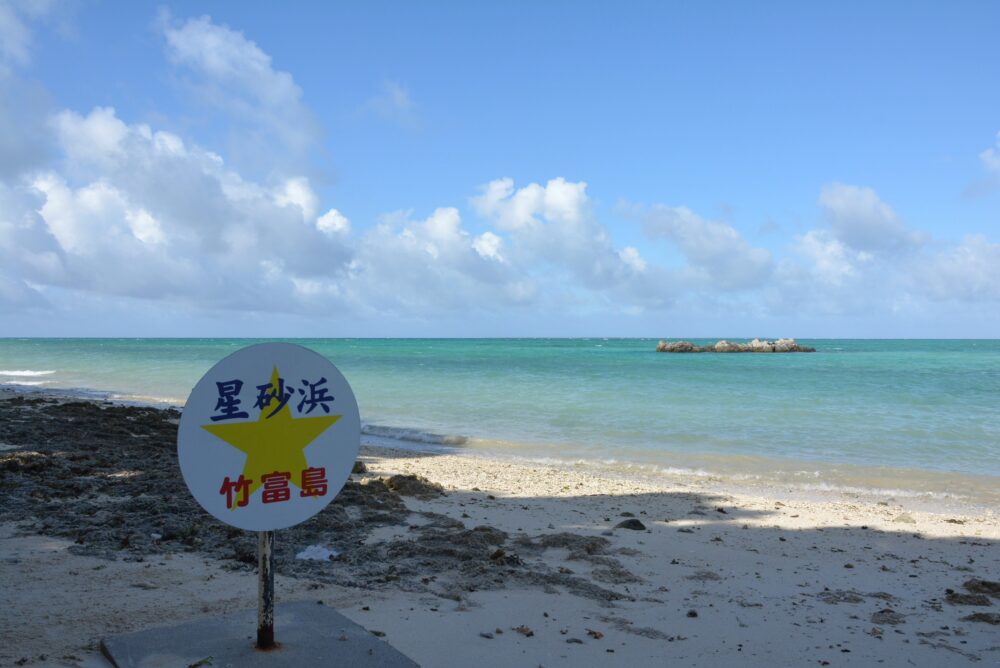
[(267, 438), (265, 589)]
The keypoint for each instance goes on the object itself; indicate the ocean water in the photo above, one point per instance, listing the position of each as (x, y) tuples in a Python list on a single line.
[(891, 415)]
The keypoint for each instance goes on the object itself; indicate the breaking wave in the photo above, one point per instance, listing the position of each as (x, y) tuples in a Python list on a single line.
[(412, 435), (24, 373)]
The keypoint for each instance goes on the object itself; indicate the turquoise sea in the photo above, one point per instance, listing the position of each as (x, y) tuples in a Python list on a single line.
[(891, 415)]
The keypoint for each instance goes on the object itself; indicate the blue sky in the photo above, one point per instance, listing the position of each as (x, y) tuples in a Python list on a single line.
[(468, 169)]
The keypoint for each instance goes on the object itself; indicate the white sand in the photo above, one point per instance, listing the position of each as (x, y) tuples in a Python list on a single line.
[(755, 575)]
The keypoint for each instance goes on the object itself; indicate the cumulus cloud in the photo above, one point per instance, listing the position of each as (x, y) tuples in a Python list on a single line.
[(551, 227), (333, 222), (717, 253), (432, 265), (149, 215), (236, 76), (96, 204), (830, 260), (859, 219), (862, 259), (558, 201), (968, 271)]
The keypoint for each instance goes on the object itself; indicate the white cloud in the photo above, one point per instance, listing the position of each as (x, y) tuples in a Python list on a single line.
[(145, 228), (991, 157), (15, 37), (141, 214), (899, 271), (968, 271), (297, 192), (15, 34), (558, 201), (718, 254), (431, 266), (489, 245), (233, 74), (333, 222), (864, 222), (93, 139), (553, 233), (631, 256), (831, 261), (153, 217)]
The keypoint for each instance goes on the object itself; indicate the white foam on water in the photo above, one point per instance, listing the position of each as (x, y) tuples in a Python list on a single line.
[(23, 383), (413, 435), (24, 373), (144, 400)]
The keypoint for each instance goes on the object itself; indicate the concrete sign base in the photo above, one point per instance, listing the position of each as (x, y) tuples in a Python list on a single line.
[(308, 634)]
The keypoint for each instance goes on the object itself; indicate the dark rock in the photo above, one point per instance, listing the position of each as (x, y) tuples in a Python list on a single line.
[(631, 523), (359, 467), (755, 346)]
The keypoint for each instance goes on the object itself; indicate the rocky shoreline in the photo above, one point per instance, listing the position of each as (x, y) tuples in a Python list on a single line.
[(106, 477), (723, 346)]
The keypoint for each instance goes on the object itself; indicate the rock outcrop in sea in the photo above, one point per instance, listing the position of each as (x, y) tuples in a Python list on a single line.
[(723, 346)]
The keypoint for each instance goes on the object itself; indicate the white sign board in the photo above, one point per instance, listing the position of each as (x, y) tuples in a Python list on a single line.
[(268, 436)]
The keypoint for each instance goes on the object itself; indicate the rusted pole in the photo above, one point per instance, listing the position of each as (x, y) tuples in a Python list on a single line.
[(265, 589)]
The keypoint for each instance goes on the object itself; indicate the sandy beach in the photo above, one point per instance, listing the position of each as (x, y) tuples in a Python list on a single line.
[(466, 560)]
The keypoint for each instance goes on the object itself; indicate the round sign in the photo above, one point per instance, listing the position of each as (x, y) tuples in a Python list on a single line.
[(268, 436)]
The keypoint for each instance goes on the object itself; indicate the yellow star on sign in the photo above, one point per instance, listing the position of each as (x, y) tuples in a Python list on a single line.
[(275, 442)]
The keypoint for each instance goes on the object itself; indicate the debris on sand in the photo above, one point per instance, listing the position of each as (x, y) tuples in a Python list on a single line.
[(977, 586), (118, 464), (958, 598), (834, 597), (627, 626), (414, 485), (985, 617), (888, 616), (580, 547), (614, 573)]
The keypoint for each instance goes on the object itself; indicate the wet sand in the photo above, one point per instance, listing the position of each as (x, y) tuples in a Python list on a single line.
[(466, 560)]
